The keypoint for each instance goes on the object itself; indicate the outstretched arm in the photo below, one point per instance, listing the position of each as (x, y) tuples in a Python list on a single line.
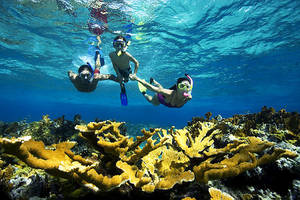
[(103, 77), (136, 63), (153, 88), (72, 75)]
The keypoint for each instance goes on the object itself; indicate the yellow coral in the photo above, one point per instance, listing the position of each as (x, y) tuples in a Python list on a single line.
[(189, 198), (141, 152), (162, 168), (193, 146), (217, 194), (167, 167), (136, 176), (106, 137), (244, 159), (60, 161), (159, 164)]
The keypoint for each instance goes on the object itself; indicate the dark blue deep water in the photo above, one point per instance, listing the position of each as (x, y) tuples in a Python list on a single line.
[(241, 54)]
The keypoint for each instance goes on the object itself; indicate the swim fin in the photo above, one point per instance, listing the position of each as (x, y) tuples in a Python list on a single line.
[(99, 62), (142, 88), (97, 53), (123, 96)]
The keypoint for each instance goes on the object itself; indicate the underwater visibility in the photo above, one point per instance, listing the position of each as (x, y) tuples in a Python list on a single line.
[(144, 99)]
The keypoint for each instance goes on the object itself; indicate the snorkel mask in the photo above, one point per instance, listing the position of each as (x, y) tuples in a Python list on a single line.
[(189, 90), (119, 43), (85, 77), (121, 46)]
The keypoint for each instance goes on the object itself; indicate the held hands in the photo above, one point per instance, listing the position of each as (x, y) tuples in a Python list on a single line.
[(133, 77)]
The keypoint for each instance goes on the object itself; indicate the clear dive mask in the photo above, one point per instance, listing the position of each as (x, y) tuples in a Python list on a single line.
[(85, 76), (187, 88), (183, 86), (119, 44)]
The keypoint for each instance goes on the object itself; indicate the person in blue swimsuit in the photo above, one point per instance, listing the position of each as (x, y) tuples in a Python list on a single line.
[(174, 97)]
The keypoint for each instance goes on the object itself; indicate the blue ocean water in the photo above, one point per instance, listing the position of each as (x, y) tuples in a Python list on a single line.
[(241, 54)]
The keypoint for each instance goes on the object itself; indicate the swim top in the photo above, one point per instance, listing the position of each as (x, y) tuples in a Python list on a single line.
[(161, 99), (99, 14)]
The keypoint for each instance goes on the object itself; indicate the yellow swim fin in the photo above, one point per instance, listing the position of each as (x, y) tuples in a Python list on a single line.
[(142, 88)]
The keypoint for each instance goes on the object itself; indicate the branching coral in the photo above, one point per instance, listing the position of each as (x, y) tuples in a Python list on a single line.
[(194, 144), (176, 156), (5, 174), (217, 194), (245, 157), (60, 161), (106, 137), (162, 168)]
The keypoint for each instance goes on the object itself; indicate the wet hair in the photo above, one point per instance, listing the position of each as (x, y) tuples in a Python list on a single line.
[(82, 67), (120, 37), (179, 80)]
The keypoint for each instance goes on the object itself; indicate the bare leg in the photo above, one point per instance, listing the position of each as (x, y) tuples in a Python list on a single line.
[(156, 83), (99, 40), (152, 99), (98, 63)]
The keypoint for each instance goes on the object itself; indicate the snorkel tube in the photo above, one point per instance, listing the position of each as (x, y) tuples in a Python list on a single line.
[(124, 46), (91, 69), (187, 94)]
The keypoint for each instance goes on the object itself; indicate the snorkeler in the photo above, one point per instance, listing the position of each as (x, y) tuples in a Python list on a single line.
[(121, 59), (174, 97), (87, 78), (98, 23)]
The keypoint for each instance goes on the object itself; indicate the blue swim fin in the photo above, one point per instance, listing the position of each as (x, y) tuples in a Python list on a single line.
[(96, 55), (99, 52), (123, 96)]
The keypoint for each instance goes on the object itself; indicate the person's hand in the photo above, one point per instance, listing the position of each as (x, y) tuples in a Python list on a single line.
[(133, 77), (97, 76)]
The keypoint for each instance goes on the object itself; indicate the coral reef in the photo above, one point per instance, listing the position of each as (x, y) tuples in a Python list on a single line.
[(217, 194), (204, 152)]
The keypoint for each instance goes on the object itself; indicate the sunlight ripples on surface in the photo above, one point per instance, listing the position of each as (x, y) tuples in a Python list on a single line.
[(231, 48)]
